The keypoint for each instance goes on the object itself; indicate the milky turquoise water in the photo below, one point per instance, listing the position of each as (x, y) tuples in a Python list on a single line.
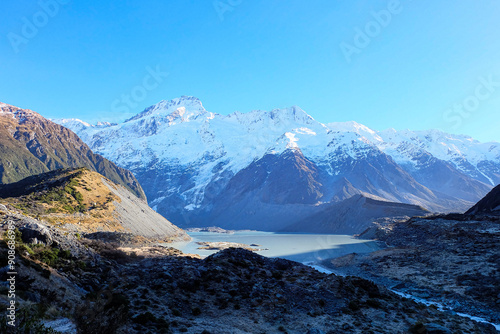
[(293, 246)]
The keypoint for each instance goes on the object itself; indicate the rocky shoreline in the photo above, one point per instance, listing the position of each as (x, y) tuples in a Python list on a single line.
[(451, 260)]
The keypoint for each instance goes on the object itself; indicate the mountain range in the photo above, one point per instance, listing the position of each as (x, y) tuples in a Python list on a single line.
[(273, 170), (87, 247)]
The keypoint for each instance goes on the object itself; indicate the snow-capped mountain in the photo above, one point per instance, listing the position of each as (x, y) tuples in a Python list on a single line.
[(200, 168)]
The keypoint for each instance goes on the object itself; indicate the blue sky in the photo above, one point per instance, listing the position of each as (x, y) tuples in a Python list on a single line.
[(400, 64)]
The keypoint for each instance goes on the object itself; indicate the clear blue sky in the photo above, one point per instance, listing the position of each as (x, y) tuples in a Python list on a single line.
[(261, 54)]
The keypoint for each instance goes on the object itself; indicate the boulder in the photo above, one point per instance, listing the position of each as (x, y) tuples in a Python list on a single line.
[(35, 233)]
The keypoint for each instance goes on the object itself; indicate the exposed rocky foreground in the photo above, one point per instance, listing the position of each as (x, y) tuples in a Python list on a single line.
[(453, 260), (104, 290)]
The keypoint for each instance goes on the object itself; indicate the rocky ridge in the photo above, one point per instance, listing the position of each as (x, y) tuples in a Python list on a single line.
[(489, 205)]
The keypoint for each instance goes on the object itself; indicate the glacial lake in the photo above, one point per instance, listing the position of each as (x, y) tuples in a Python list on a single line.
[(298, 247)]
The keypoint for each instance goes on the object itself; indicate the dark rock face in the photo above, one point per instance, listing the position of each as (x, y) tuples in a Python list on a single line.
[(489, 205), (31, 144), (288, 178)]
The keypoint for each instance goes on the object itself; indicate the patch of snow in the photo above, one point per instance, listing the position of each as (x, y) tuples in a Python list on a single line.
[(489, 178), (292, 140), (190, 207)]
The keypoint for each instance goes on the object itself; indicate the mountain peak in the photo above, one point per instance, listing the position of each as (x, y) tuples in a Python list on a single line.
[(183, 107), (293, 113), (16, 112), (5, 108)]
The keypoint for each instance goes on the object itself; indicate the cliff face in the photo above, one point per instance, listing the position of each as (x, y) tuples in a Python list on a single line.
[(31, 144)]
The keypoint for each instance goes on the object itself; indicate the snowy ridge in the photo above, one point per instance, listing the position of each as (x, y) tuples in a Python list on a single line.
[(180, 135), (181, 108)]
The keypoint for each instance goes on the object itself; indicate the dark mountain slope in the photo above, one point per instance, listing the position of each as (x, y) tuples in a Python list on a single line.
[(489, 205), (31, 144), (353, 215), (288, 178)]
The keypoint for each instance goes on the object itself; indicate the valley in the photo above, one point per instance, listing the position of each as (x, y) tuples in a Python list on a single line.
[(89, 247), (249, 167), (162, 290)]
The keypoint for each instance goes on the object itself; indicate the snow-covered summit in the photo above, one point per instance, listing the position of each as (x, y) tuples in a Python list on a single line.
[(441, 145), (71, 122), (184, 121), (183, 108)]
